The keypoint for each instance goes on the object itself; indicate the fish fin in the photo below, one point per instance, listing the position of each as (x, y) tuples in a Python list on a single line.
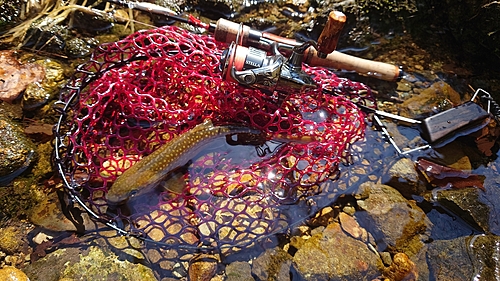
[(175, 181)]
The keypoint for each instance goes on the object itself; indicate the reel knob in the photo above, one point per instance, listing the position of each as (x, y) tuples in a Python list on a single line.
[(329, 37)]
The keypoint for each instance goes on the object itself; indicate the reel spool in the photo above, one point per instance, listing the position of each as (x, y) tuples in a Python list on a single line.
[(251, 66)]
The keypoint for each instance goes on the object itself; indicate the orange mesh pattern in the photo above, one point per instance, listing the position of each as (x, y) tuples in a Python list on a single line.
[(136, 94)]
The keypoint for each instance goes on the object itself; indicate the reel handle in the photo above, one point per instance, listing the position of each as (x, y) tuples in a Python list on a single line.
[(329, 37)]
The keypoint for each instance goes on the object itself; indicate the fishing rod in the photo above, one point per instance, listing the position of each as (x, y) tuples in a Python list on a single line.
[(323, 54)]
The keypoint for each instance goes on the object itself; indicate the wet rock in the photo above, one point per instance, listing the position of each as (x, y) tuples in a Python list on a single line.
[(16, 151), (88, 21), (41, 132), (203, 267), (239, 270), (11, 111), (465, 203), (15, 76), (296, 242), (80, 47), (438, 97), (95, 263), (484, 250), (44, 33), (273, 264), (333, 255), (397, 224), (402, 268), (39, 93), (51, 266), (403, 86), (10, 273), (131, 246), (323, 217), (386, 258), (49, 214), (403, 176), (10, 239), (449, 260)]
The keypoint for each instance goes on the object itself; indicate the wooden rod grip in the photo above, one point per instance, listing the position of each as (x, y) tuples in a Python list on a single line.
[(341, 61)]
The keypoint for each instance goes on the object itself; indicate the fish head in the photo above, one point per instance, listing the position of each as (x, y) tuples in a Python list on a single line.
[(115, 198)]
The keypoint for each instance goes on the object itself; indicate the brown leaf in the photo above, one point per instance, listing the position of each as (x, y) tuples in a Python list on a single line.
[(443, 176)]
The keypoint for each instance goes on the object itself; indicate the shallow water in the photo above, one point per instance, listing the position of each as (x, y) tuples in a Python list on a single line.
[(451, 228)]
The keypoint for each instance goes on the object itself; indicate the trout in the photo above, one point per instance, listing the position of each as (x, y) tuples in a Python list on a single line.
[(152, 169)]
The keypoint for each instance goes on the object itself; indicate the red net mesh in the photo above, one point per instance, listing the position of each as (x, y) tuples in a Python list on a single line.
[(136, 94)]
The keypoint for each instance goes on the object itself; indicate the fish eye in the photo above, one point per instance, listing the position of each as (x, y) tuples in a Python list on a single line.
[(132, 193)]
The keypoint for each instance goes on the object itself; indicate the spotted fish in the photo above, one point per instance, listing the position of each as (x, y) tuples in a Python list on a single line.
[(152, 169)]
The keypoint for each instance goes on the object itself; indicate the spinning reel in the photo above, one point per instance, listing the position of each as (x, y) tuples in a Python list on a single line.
[(253, 67)]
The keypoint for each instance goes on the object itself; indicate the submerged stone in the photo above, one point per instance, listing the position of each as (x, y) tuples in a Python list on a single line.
[(484, 252), (334, 255), (92, 264), (49, 214), (439, 96), (397, 224), (239, 271), (476, 207), (273, 264), (10, 240), (462, 203), (402, 268), (449, 260), (203, 267), (403, 176)]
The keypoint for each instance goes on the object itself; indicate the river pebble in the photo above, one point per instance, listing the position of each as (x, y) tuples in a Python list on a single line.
[(15, 76), (10, 273), (203, 267)]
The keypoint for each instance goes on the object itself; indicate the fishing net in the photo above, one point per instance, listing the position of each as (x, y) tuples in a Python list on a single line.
[(135, 95)]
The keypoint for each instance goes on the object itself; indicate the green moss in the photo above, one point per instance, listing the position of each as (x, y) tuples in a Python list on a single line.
[(9, 239), (17, 200), (98, 265), (43, 166)]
